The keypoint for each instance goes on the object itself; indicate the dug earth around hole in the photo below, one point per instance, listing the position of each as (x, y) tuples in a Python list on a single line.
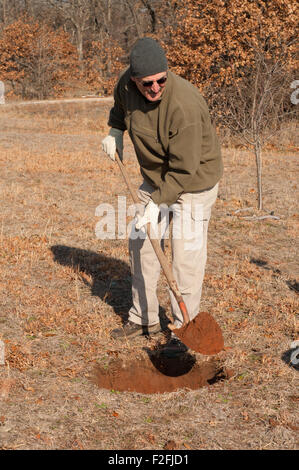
[(157, 374)]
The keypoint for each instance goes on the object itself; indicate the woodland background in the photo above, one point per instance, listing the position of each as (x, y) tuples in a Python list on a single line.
[(49, 48)]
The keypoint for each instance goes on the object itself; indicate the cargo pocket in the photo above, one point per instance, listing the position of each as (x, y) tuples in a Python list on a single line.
[(193, 225)]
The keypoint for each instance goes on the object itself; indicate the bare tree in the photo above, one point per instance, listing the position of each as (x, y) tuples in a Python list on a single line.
[(152, 13), (136, 18), (161, 15), (4, 11), (12, 9), (77, 12), (256, 105)]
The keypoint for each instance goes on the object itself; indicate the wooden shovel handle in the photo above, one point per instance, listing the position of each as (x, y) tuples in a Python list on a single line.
[(158, 250)]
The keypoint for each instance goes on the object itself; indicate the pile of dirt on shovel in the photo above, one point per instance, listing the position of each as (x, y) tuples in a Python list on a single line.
[(202, 334), (157, 373)]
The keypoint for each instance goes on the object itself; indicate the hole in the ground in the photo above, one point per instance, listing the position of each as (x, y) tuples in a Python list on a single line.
[(157, 374), (172, 366)]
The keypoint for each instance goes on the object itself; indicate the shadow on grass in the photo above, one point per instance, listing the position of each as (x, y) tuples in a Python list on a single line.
[(110, 277), (291, 283)]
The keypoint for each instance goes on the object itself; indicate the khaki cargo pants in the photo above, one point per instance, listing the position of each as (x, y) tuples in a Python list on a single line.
[(191, 214)]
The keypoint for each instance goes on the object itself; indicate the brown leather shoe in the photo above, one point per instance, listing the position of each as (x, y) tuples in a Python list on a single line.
[(130, 330)]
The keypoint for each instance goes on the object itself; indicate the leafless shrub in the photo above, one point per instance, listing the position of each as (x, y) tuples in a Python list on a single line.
[(256, 106)]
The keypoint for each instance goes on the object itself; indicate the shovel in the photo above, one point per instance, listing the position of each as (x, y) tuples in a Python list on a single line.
[(203, 333)]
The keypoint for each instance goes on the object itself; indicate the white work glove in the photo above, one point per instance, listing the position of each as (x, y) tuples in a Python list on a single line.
[(113, 141), (151, 214)]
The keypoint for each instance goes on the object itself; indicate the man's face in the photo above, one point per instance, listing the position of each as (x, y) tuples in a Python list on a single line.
[(151, 86)]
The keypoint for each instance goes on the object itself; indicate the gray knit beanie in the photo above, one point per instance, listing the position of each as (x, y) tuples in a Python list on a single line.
[(147, 58)]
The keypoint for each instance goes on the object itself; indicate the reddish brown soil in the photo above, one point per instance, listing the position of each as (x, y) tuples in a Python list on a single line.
[(202, 334), (157, 374)]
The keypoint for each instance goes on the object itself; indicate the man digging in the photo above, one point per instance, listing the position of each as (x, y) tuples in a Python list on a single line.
[(179, 155)]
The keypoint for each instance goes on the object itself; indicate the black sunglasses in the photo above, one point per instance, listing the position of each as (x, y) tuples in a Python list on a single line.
[(150, 83)]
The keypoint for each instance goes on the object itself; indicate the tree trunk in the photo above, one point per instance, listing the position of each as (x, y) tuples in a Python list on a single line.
[(109, 64), (4, 12), (79, 34), (151, 12), (135, 18), (258, 159)]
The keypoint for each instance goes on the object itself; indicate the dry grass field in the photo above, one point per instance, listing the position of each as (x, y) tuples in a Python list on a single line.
[(62, 290)]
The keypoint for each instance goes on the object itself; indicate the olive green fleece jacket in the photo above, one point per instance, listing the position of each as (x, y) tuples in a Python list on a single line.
[(174, 140)]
